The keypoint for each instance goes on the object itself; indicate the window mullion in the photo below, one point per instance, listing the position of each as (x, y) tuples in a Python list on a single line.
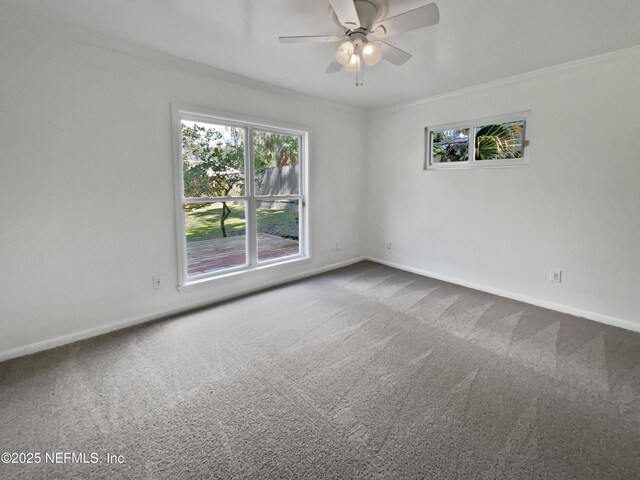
[(203, 200), (472, 144), (294, 196), (249, 186)]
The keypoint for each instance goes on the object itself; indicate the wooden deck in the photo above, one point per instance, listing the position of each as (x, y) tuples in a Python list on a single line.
[(218, 253)]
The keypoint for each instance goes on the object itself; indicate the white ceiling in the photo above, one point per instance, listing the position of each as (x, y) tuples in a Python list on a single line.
[(476, 41)]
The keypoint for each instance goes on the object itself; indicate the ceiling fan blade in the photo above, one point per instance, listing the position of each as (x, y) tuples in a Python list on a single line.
[(311, 39), (393, 54), (346, 13), (411, 20), (334, 67)]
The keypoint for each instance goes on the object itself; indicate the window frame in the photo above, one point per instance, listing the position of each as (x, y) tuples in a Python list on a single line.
[(250, 199), (472, 125)]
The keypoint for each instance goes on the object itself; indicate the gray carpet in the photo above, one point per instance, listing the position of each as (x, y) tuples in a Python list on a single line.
[(364, 372)]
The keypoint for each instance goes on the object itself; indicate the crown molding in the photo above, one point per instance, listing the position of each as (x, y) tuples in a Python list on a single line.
[(94, 39), (523, 77)]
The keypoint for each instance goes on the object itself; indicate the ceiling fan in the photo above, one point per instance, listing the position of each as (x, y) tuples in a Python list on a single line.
[(361, 19)]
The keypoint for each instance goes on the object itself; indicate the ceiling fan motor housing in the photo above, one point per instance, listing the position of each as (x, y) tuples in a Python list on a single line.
[(369, 12)]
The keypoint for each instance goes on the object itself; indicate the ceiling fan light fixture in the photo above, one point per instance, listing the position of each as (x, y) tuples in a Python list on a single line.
[(354, 64), (371, 54), (344, 53)]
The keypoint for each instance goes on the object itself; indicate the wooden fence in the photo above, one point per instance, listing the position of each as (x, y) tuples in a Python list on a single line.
[(279, 181)]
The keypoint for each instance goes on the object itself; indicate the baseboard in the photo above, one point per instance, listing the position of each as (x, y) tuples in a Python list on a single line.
[(596, 317), (114, 326), (119, 325)]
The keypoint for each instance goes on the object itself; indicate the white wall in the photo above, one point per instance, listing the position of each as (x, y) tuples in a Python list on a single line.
[(86, 185), (577, 207)]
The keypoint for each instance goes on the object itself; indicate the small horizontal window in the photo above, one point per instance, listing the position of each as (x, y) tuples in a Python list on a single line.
[(487, 142)]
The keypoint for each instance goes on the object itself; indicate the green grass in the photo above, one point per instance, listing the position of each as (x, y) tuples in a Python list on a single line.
[(203, 222), (283, 223)]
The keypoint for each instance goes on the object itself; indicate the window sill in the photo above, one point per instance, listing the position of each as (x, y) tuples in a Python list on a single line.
[(476, 166), (214, 278)]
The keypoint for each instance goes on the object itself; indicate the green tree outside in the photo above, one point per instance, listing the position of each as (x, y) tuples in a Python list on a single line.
[(213, 166)]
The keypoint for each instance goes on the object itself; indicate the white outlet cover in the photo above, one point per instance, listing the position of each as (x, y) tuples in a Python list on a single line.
[(555, 276)]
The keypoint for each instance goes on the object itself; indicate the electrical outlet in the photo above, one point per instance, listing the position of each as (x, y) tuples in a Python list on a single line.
[(388, 245), (555, 276), (157, 281)]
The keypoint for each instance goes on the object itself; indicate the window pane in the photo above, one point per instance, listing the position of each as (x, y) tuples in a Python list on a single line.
[(216, 236), (500, 141), (278, 228), (276, 159), (212, 160), (450, 146)]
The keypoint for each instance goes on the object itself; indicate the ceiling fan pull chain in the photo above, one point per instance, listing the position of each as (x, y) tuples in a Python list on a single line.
[(359, 77)]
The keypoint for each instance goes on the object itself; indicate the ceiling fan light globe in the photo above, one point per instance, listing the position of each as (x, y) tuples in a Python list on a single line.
[(345, 52), (354, 64), (371, 54)]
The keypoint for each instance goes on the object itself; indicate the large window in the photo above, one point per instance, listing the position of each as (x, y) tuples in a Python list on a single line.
[(241, 194), (488, 142)]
